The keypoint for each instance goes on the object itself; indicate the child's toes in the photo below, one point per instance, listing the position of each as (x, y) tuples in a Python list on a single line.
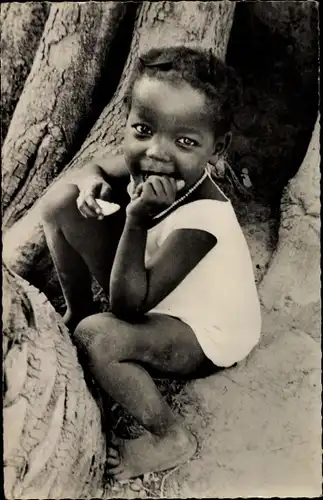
[(113, 452), (113, 459), (112, 463), (118, 472)]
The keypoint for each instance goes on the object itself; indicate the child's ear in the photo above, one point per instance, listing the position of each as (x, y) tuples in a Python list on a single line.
[(221, 145)]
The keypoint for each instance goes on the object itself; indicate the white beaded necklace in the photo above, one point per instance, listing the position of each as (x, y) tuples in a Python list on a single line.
[(186, 195)]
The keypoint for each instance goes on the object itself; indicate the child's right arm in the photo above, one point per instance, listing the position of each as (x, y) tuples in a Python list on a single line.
[(103, 178)]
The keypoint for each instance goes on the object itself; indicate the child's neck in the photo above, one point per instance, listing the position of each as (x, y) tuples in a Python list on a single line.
[(207, 191)]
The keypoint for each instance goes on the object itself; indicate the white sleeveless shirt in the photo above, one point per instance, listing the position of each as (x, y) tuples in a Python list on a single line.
[(218, 299)]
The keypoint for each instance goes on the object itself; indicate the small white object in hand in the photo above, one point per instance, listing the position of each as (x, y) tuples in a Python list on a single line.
[(107, 207)]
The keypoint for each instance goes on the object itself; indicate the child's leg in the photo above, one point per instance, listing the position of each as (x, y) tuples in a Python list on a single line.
[(79, 247), (116, 352)]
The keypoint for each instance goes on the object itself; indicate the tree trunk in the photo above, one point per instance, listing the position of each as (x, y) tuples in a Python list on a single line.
[(54, 446), (278, 65), (158, 23), (21, 29), (293, 278), (46, 446), (57, 106)]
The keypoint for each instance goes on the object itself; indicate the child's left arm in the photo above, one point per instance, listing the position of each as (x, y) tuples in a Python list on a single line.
[(136, 288)]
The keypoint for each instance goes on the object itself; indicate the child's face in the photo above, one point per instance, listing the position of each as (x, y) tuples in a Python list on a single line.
[(168, 132)]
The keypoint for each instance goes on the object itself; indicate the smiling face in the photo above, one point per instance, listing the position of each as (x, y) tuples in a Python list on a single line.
[(169, 131)]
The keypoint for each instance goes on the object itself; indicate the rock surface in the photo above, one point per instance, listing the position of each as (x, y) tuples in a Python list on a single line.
[(258, 424)]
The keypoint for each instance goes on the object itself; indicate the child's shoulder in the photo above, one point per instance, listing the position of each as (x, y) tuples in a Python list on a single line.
[(203, 213), (213, 191)]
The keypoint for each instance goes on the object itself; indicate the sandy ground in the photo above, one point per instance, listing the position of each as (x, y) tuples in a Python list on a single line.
[(258, 424)]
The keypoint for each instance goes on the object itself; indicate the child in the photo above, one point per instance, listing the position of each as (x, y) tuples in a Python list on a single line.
[(173, 259)]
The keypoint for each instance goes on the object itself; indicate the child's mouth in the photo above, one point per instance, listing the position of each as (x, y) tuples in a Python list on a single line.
[(145, 175)]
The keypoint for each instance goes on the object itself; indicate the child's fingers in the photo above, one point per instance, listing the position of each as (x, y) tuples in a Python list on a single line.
[(168, 184), (136, 192), (156, 183), (92, 204), (86, 209), (105, 192), (169, 187), (148, 191), (86, 212)]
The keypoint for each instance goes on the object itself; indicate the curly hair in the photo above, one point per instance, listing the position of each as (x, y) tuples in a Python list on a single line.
[(199, 68)]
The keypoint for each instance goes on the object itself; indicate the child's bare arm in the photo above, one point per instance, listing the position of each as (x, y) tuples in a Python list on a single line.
[(109, 167), (103, 178), (135, 288)]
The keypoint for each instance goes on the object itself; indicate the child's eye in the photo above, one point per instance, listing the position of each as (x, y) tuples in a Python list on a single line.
[(142, 129), (186, 141)]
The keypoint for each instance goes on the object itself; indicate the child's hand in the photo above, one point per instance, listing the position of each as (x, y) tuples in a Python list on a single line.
[(153, 196), (92, 187)]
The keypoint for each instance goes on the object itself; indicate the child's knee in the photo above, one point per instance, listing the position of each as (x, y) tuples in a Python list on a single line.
[(101, 336), (83, 336), (58, 202)]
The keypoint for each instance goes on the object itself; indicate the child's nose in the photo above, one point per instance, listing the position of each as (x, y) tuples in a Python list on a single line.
[(158, 150)]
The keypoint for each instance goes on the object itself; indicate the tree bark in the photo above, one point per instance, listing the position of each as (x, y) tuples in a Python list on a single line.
[(54, 446), (158, 24), (206, 24), (293, 278), (56, 108), (297, 21), (278, 65), (21, 28)]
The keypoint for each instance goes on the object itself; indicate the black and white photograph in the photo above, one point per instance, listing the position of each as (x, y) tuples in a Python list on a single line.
[(161, 249)]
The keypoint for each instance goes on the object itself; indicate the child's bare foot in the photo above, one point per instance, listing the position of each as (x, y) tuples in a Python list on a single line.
[(151, 453)]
